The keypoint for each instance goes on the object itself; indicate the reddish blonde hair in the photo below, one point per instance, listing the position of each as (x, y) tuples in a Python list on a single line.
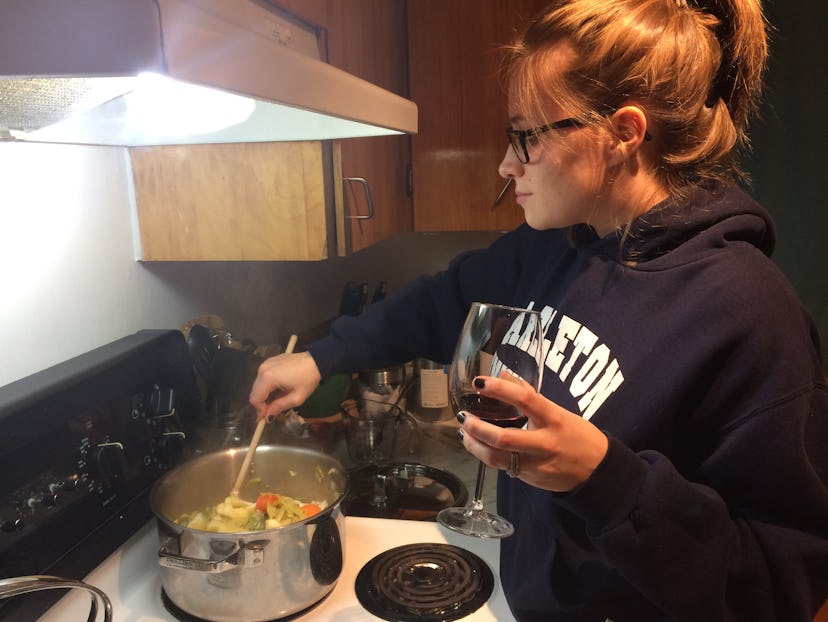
[(694, 67)]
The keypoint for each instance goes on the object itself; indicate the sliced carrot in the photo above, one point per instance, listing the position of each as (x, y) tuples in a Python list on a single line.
[(264, 500), (310, 509)]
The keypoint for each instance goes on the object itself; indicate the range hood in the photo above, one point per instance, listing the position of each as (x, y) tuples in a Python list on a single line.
[(100, 72)]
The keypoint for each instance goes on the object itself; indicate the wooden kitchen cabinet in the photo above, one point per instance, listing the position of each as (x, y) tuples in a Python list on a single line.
[(368, 38), (249, 201), (287, 201), (453, 64)]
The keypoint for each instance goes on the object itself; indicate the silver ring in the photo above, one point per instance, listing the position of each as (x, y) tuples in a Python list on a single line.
[(514, 464)]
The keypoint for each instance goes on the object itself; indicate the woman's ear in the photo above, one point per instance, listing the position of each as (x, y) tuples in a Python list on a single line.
[(630, 128)]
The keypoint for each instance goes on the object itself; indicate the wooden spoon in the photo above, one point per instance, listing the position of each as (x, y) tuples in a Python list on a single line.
[(257, 435)]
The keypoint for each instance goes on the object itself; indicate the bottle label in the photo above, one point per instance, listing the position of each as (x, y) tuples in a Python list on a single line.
[(433, 388)]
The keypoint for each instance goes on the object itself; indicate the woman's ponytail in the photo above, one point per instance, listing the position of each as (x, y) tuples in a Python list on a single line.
[(742, 35)]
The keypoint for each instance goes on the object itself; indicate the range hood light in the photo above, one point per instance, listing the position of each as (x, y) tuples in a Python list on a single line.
[(97, 91), (148, 108), (256, 75), (167, 104)]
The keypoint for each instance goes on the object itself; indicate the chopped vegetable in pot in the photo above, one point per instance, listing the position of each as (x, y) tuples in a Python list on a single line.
[(234, 514)]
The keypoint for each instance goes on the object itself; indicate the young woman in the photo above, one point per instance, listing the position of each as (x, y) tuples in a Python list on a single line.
[(674, 466)]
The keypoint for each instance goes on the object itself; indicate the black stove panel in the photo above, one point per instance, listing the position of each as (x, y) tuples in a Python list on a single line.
[(81, 444)]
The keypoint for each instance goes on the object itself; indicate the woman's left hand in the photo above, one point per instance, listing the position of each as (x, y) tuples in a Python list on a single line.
[(557, 451)]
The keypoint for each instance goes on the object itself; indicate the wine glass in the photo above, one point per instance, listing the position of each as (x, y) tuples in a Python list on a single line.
[(494, 339)]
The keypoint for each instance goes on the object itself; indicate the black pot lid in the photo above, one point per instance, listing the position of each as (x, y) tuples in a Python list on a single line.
[(403, 491)]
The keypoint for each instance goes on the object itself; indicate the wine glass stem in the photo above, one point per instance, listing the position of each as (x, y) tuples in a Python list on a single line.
[(477, 502)]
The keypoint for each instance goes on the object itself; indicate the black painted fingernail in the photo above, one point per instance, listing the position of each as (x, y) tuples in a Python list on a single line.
[(479, 383), (461, 416), (460, 435), (271, 418)]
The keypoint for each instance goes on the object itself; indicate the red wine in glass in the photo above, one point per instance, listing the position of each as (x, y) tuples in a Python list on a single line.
[(497, 341), (490, 410)]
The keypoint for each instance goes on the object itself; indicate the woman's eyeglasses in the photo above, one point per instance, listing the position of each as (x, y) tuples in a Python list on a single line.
[(519, 139)]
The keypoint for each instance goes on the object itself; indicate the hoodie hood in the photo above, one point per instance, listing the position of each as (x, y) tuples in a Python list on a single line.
[(706, 216)]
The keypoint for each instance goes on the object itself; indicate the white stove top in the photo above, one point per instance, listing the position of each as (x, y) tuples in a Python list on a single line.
[(131, 580)]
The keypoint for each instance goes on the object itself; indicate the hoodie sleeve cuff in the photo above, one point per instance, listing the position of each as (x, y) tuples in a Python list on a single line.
[(329, 357), (609, 496)]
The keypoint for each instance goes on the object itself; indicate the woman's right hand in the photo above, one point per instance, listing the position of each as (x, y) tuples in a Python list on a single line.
[(284, 381)]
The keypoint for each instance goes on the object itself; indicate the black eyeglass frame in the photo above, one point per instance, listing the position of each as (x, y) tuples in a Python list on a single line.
[(517, 138)]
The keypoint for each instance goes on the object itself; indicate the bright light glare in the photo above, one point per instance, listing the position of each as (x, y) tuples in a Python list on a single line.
[(92, 92), (164, 105)]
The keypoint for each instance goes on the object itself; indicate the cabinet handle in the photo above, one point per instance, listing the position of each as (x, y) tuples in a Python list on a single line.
[(367, 190)]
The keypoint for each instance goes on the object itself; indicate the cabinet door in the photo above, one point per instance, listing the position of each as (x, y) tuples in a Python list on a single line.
[(254, 201), (368, 39), (453, 63)]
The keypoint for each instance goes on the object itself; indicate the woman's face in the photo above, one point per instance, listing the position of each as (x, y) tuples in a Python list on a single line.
[(561, 184)]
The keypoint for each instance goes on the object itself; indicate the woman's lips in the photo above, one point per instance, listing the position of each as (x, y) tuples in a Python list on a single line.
[(520, 197)]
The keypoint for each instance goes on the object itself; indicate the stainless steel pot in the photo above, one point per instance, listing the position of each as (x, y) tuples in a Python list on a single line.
[(251, 576)]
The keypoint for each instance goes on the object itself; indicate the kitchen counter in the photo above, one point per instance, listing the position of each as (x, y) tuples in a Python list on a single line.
[(435, 444), (131, 579), (439, 447)]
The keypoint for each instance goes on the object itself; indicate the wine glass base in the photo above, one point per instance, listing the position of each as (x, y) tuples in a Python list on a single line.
[(477, 523)]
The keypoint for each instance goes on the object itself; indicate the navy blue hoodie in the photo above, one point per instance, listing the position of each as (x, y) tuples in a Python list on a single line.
[(685, 344)]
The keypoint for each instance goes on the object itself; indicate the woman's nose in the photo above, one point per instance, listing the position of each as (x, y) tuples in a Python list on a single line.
[(510, 166)]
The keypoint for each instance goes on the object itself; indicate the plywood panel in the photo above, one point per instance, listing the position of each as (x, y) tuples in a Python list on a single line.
[(256, 201)]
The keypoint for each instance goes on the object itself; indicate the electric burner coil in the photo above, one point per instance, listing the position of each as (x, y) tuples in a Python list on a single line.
[(427, 582)]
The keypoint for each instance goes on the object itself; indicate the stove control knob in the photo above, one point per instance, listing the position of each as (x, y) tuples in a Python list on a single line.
[(50, 499), (110, 460), (70, 484), (10, 525), (170, 444), (161, 403)]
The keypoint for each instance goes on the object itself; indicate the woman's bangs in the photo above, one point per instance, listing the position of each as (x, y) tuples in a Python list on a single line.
[(536, 86)]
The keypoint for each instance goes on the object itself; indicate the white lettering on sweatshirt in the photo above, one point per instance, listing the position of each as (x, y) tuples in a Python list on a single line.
[(583, 364), (574, 353)]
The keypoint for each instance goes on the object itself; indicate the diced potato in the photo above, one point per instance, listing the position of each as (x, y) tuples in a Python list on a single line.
[(238, 514)]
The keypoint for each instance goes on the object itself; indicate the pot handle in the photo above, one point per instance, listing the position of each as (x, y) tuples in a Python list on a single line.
[(16, 586), (211, 566)]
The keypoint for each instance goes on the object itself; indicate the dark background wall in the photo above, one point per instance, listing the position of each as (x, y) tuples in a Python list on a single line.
[(789, 165)]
